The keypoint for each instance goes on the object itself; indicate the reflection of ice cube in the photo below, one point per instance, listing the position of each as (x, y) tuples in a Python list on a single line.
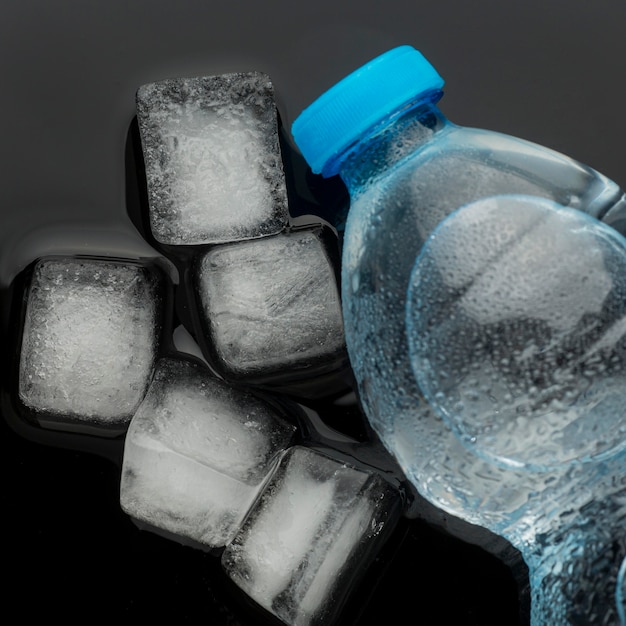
[(317, 523), (90, 338), (197, 452), (272, 303), (212, 158)]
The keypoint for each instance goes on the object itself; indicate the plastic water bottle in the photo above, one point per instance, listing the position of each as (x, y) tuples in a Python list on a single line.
[(512, 418), (620, 592)]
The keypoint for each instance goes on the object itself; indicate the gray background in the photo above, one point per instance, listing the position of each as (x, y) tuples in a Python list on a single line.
[(551, 71)]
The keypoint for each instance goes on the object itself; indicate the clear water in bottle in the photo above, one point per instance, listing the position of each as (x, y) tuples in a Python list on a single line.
[(408, 168)]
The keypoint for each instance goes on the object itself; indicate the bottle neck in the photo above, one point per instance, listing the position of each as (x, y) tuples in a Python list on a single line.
[(389, 142)]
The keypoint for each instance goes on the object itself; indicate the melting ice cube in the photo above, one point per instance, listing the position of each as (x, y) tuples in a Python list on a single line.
[(197, 453), (212, 158), (89, 339), (271, 304), (317, 523)]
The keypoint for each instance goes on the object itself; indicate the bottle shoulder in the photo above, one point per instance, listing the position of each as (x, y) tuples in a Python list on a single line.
[(400, 209), (463, 164), (494, 148)]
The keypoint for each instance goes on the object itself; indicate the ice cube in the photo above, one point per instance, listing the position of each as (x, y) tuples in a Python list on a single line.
[(317, 524), (212, 158), (197, 453), (271, 304), (90, 338)]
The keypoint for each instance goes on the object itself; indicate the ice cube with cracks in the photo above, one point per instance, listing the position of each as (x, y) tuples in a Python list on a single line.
[(90, 339), (317, 526), (197, 453), (271, 305), (213, 164)]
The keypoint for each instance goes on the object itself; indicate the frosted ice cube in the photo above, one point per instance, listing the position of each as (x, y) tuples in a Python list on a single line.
[(271, 304), (90, 338), (197, 452), (212, 158), (316, 525)]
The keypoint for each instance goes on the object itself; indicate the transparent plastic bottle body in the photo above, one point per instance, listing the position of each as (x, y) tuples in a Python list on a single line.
[(431, 202), (405, 178), (620, 592)]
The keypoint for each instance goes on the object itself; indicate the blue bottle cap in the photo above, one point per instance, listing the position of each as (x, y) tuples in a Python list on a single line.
[(343, 113)]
